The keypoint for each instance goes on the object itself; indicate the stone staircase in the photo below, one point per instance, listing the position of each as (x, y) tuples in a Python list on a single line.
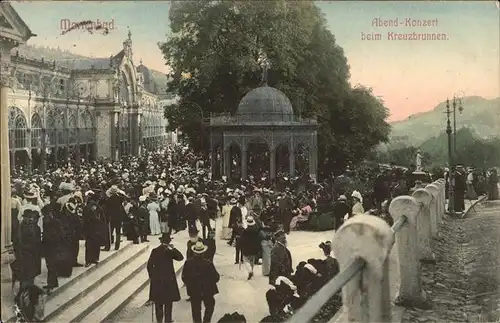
[(96, 293)]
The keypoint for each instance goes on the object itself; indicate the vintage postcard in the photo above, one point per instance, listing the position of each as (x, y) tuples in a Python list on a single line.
[(250, 161)]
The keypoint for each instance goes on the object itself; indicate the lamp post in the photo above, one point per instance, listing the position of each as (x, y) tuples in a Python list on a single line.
[(201, 122), (451, 175), (456, 100)]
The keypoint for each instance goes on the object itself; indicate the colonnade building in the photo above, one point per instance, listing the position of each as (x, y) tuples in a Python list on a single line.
[(78, 109)]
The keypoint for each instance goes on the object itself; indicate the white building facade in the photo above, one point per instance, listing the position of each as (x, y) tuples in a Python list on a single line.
[(82, 109)]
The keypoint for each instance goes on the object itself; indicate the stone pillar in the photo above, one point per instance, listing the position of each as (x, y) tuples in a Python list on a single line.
[(12, 158), (272, 162), (434, 208), (366, 298), (86, 152), (291, 157), (424, 198), (244, 161), (442, 198), (77, 147), (43, 153), (104, 135), (227, 162), (5, 84), (410, 289), (135, 132), (66, 134)]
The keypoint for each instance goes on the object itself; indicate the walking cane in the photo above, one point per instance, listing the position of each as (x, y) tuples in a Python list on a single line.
[(152, 313)]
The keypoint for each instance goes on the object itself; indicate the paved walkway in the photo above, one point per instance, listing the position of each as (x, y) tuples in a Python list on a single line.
[(463, 285), (236, 292)]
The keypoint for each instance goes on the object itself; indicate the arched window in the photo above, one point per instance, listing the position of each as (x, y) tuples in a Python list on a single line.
[(18, 128), (36, 131), (51, 127)]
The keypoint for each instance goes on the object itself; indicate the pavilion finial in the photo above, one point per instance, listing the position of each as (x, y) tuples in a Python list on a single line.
[(265, 71)]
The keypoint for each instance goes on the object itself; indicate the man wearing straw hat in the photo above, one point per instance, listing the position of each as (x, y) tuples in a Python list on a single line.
[(201, 278), (116, 214), (163, 290), (281, 258)]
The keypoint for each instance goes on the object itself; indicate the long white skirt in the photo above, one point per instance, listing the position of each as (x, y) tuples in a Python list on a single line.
[(154, 223)]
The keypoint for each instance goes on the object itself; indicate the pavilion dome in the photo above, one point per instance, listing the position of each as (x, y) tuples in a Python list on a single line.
[(266, 103)]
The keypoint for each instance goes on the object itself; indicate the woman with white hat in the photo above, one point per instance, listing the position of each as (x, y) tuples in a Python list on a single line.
[(154, 219), (226, 213), (357, 207)]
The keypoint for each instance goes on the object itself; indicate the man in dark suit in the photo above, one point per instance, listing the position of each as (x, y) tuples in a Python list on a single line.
[(201, 278), (235, 217), (163, 289), (285, 207), (116, 214), (191, 213), (340, 209), (460, 188), (281, 258)]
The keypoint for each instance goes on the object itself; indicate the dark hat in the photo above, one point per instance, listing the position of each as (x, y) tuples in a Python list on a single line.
[(165, 238), (279, 233), (326, 246), (193, 231)]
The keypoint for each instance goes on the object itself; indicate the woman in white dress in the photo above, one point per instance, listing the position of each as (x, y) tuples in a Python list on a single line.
[(357, 207), (154, 220), (226, 214)]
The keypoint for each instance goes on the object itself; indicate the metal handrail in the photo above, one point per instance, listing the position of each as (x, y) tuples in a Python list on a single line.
[(315, 303)]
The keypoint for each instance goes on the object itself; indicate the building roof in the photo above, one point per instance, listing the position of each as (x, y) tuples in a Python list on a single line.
[(267, 102)]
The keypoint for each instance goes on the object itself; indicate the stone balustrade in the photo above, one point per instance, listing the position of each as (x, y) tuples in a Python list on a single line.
[(368, 240)]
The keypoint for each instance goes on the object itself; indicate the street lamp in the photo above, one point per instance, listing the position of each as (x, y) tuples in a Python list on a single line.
[(459, 101), (201, 122), (451, 163)]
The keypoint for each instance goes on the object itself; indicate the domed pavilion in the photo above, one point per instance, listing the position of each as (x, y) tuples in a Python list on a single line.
[(264, 116)]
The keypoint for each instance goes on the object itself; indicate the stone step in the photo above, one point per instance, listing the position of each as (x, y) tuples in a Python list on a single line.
[(135, 286), (80, 300), (79, 274)]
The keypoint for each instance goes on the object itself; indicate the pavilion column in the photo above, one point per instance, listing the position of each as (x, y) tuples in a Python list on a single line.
[(43, 153), (244, 161), (221, 164), (86, 152), (5, 83), (291, 156), (313, 160), (272, 162), (213, 163), (213, 158), (227, 163)]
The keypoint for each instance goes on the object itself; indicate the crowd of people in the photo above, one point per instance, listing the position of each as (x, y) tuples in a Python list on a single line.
[(167, 191)]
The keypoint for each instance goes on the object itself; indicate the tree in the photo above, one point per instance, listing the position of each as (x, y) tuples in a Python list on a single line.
[(215, 51)]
